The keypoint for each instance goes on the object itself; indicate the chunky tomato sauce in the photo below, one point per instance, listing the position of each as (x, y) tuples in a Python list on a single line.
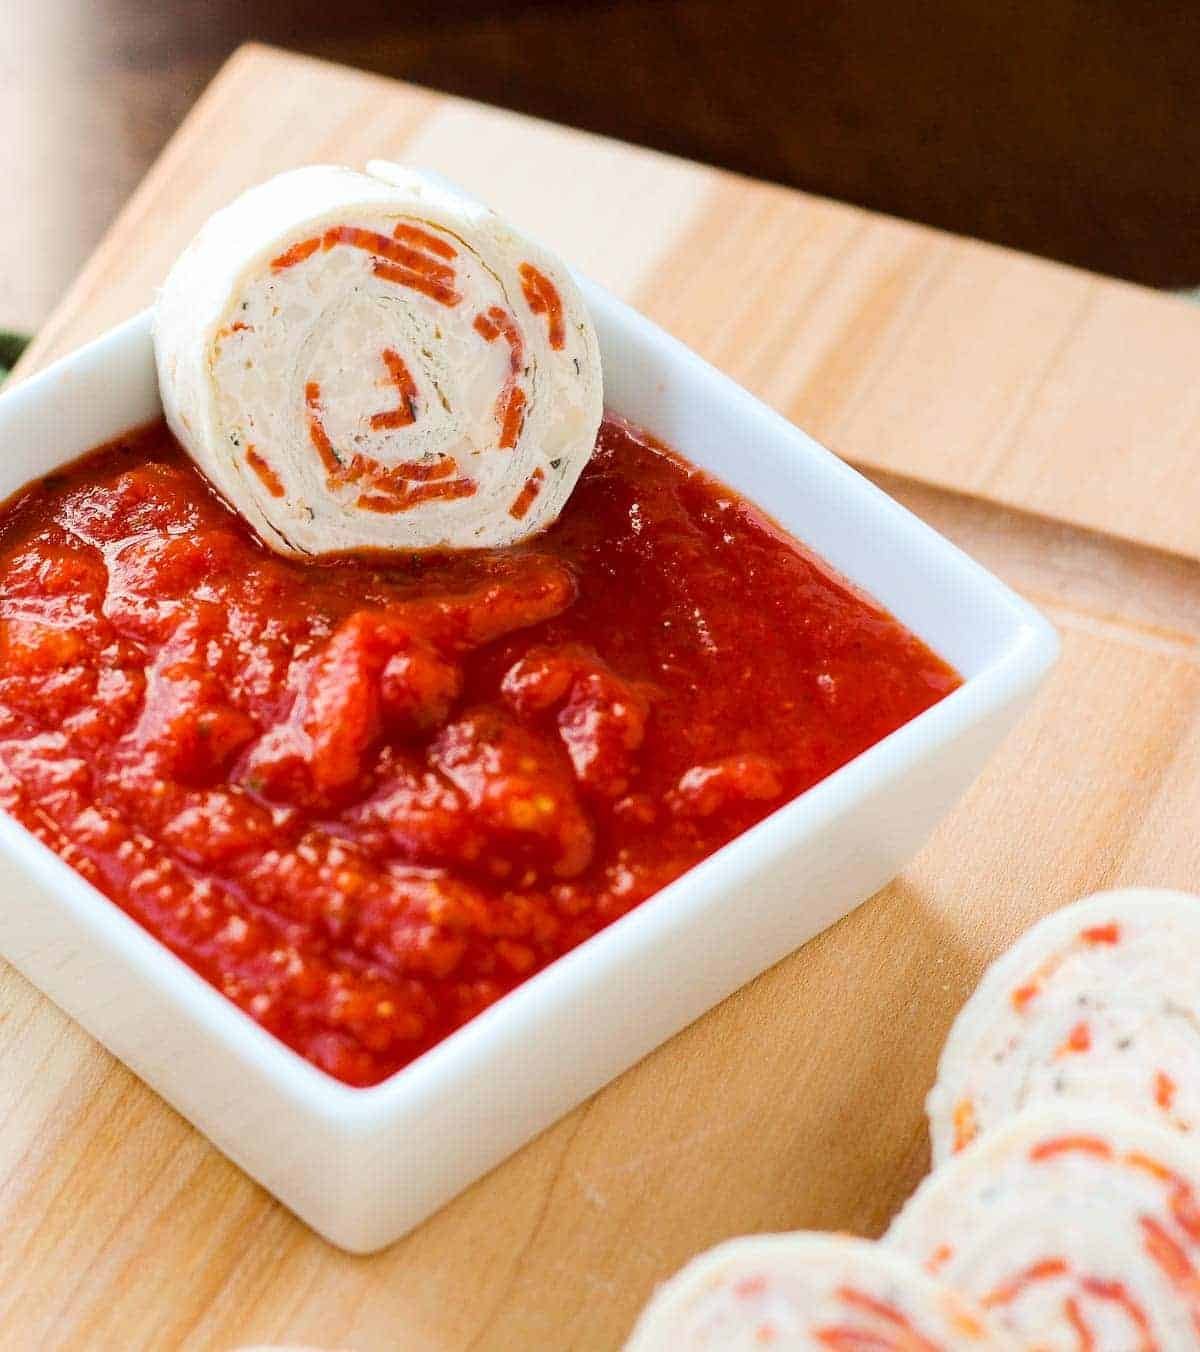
[(367, 798)]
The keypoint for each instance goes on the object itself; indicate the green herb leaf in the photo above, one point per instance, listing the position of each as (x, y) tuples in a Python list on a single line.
[(11, 347)]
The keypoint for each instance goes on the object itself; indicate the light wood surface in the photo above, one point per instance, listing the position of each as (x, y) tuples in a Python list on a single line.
[(1046, 419), (1020, 112)]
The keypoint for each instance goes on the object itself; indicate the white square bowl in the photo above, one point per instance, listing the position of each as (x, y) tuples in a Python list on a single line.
[(343, 1158)]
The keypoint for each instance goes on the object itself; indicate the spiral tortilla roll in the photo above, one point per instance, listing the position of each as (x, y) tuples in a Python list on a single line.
[(366, 364), (805, 1291), (1073, 1226), (1099, 1001)]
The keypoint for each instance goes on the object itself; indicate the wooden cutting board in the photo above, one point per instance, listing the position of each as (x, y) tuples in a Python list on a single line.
[(1047, 420)]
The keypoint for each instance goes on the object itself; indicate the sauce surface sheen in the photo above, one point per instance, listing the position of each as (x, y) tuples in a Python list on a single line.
[(366, 798)]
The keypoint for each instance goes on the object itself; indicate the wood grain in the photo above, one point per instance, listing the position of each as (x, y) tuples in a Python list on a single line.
[(1044, 418), (993, 120), (891, 342)]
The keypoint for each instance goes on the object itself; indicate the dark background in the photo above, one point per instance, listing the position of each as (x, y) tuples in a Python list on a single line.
[(1068, 128)]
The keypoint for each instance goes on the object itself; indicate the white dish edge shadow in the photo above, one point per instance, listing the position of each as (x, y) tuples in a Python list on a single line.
[(363, 1166)]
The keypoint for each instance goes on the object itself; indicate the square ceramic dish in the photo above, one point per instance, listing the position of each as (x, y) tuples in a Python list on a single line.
[(344, 1159)]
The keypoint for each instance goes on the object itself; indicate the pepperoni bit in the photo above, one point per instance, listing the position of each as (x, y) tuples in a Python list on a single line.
[(1033, 987), (965, 1126), (1086, 1339), (848, 1338), (966, 1322), (862, 1301), (1164, 1090), (394, 478), (449, 489), (1064, 1145), (1185, 1210), (418, 281), (1183, 1200), (400, 376), (499, 322), (296, 254), (510, 403), (938, 1259), (541, 295), (1119, 1295), (394, 491), (1137, 1160), (486, 329), (513, 419), (1043, 1270), (380, 246), (1079, 1039), (446, 489), (526, 497), (395, 261), (270, 480), (423, 239), (746, 1287), (1023, 995), (1168, 1254), (1102, 934), (316, 429)]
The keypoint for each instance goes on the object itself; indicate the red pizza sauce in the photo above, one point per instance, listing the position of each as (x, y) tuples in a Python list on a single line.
[(366, 798)]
